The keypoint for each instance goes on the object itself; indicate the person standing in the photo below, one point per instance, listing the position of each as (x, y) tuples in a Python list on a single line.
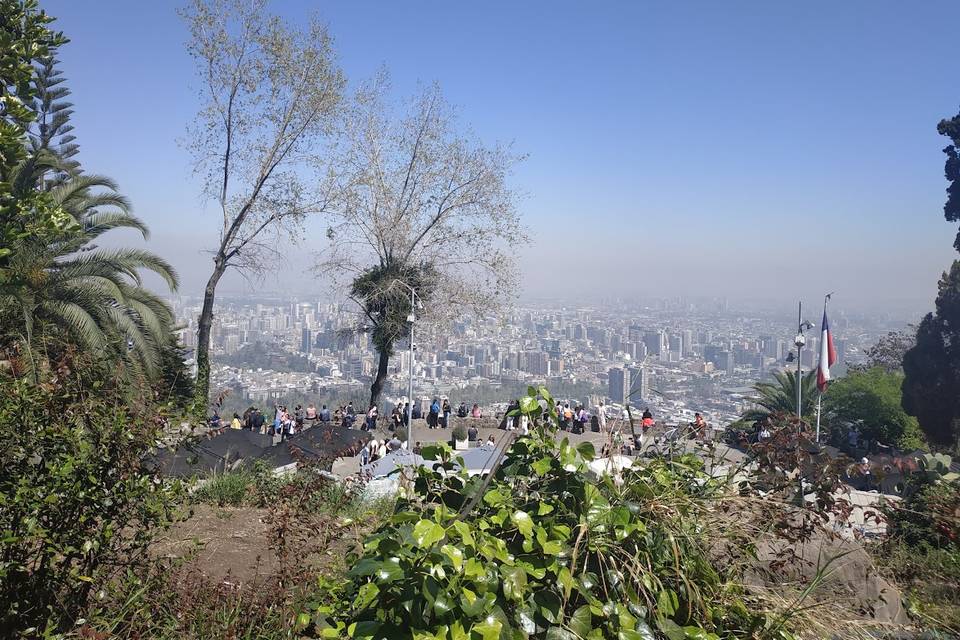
[(602, 417), (447, 410), (433, 418), (364, 457), (582, 418), (371, 418), (235, 423)]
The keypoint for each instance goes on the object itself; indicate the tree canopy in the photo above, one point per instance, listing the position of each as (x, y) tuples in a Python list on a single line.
[(270, 95), (931, 387), (422, 202), (25, 40), (870, 402)]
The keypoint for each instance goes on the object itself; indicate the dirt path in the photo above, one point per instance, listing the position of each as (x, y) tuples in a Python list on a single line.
[(226, 543)]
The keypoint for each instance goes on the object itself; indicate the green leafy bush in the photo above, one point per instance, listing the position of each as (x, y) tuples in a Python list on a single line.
[(73, 498), (543, 549), (459, 432), (928, 516)]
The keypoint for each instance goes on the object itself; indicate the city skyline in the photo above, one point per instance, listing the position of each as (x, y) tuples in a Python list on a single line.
[(694, 180), (676, 359)]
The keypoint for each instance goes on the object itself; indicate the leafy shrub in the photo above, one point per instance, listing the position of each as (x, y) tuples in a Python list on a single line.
[(928, 516), (459, 432), (73, 498), (541, 550)]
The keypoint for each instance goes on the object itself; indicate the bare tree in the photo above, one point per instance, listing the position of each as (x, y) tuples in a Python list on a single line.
[(270, 94), (424, 205)]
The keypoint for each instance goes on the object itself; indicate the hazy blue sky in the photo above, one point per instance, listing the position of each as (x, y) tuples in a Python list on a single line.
[(750, 149)]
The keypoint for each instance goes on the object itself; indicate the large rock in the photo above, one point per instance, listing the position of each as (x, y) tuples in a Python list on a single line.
[(851, 577)]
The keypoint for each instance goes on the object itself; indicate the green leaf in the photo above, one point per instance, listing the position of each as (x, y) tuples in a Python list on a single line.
[(465, 534), (474, 568), (457, 632), (646, 633), (529, 405), (432, 452), (364, 629), (544, 509), (455, 555), (389, 570), (698, 633), (488, 629), (523, 521), (586, 450), (542, 466), (559, 633), (494, 498), (581, 622), (426, 533), (546, 396), (549, 605), (565, 578), (470, 603), (365, 595), (442, 604), (671, 629), (552, 547), (514, 580)]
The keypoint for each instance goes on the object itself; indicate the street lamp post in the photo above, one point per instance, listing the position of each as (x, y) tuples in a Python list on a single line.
[(799, 341), (410, 318)]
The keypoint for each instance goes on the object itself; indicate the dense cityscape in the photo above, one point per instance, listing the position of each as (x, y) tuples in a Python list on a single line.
[(673, 356), (367, 320)]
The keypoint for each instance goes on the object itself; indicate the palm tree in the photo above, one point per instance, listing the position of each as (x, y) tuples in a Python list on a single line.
[(59, 287), (780, 395), (65, 287)]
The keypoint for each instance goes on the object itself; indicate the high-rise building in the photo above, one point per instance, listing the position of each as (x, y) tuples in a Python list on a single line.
[(639, 384), (687, 342), (306, 343), (676, 345), (655, 342), (619, 384)]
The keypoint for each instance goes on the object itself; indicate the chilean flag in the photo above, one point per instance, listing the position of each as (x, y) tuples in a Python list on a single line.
[(828, 355)]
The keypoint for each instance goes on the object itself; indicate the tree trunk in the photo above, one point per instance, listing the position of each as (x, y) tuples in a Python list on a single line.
[(204, 324), (377, 387)]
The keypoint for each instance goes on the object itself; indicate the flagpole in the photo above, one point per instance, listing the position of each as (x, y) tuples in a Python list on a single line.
[(819, 400), (820, 364)]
